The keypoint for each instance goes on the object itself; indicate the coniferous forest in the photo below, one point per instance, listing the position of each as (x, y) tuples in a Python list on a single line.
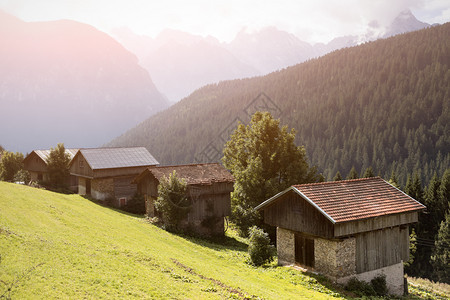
[(383, 104)]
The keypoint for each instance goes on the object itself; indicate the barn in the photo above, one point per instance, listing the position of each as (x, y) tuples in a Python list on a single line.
[(209, 188), (343, 229), (106, 174), (36, 164)]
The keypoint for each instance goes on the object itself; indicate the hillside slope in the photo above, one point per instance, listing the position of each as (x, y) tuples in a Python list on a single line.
[(384, 104), (64, 81), (82, 250)]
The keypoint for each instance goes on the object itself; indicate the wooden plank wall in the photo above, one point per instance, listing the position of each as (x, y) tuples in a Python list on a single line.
[(295, 213), (123, 188), (350, 228), (381, 248), (83, 170), (35, 163)]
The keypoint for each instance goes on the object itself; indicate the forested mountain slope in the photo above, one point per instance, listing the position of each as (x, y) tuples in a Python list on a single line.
[(384, 104)]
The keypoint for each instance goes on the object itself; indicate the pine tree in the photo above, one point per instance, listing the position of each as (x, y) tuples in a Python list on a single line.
[(441, 255), (352, 174), (393, 180), (369, 173), (337, 177)]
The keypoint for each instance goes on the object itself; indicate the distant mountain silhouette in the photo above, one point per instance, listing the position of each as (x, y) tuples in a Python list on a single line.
[(64, 81), (180, 62)]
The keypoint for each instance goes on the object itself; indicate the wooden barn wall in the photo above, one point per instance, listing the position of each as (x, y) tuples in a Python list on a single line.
[(83, 170), (116, 172), (294, 213), (381, 248), (350, 228), (35, 164), (123, 188)]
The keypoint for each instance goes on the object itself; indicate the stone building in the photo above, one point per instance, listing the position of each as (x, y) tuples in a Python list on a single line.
[(106, 174), (344, 229), (209, 188), (36, 164)]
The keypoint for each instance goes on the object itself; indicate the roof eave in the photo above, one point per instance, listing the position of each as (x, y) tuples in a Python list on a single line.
[(292, 188)]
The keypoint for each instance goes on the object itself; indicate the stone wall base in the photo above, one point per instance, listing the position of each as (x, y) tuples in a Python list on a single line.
[(394, 278)]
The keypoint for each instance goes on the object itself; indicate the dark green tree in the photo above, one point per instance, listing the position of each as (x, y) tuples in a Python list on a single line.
[(393, 180), (369, 173), (435, 209), (173, 201), (444, 192), (337, 177), (352, 174), (441, 256), (414, 187), (10, 164), (264, 160), (58, 166)]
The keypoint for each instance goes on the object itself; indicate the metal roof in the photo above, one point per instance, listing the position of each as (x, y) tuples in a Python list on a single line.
[(350, 200), (109, 158), (43, 154), (194, 174)]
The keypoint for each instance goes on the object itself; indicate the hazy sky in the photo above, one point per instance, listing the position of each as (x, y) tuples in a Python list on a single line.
[(311, 20)]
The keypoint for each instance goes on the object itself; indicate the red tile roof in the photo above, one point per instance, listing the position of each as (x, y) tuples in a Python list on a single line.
[(350, 200)]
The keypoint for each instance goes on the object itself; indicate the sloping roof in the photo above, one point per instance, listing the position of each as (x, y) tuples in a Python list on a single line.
[(351, 200), (43, 154), (195, 174), (109, 158)]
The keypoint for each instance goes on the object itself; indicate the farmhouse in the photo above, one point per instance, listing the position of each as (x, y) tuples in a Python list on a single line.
[(106, 173), (36, 164), (209, 187), (343, 229)]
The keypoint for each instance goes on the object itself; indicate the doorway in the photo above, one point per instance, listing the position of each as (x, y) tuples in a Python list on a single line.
[(304, 250)]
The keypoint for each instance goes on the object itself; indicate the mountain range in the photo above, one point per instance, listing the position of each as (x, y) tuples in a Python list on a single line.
[(64, 81), (180, 62), (383, 104)]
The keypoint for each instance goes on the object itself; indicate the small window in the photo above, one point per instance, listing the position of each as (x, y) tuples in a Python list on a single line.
[(122, 202), (81, 163)]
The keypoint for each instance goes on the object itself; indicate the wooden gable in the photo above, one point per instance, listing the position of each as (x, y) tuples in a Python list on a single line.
[(34, 163), (293, 212), (80, 167)]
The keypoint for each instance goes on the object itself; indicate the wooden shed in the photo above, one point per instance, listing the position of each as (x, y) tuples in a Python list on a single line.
[(36, 164), (106, 174), (342, 229), (209, 188)]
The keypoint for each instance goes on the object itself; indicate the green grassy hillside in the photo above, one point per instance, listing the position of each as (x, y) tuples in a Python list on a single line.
[(65, 246)]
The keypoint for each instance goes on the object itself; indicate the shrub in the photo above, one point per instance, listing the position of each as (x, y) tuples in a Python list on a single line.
[(259, 248), (379, 285), (173, 202), (360, 288), (135, 205), (376, 287)]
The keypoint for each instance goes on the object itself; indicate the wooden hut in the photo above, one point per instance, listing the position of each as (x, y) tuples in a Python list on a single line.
[(36, 164), (343, 229), (107, 173), (209, 188)]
